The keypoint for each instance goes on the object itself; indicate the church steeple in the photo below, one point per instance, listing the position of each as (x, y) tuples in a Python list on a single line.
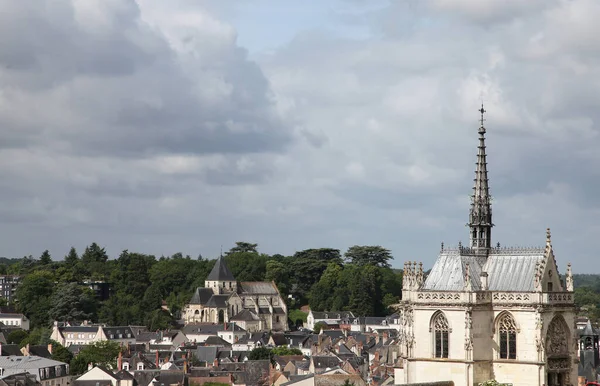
[(480, 216)]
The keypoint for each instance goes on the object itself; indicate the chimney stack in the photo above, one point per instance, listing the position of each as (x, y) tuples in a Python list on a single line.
[(50, 348), (157, 360), (120, 361)]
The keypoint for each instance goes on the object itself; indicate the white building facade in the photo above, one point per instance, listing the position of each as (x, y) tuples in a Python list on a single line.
[(488, 312)]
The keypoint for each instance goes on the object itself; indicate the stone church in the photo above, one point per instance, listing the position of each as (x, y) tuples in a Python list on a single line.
[(486, 311), (254, 306)]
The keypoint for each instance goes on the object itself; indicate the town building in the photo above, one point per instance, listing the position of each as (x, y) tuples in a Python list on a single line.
[(486, 311), (47, 372), (8, 287), (71, 334), (11, 318), (222, 298)]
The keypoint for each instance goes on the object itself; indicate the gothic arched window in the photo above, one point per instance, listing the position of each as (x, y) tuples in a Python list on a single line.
[(441, 330), (507, 336)]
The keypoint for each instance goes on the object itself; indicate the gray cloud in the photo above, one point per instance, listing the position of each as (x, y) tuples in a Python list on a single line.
[(145, 126)]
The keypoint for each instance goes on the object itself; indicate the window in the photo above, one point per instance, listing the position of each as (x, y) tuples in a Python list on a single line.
[(507, 330), (549, 287), (440, 335)]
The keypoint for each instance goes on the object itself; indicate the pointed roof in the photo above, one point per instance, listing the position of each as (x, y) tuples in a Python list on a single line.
[(588, 330), (220, 272), (481, 204)]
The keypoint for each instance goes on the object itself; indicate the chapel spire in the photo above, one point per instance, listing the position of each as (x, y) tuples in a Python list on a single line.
[(480, 216)]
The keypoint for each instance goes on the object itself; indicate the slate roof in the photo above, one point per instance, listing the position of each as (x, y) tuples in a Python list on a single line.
[(245, 315), (171, 377), (202, 328), (87, 329), (20, 379), (279, 339), (11, 349), (258, 288), (218, 301), (11, 316), (220, 272), (508, 269), (31, 364), (255, 371), (216, 341), (201, 296), (322, 362), (99, 382), (587, 330), (40, 351)]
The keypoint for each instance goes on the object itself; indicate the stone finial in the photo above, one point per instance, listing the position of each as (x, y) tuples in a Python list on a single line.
[(442, 246), (548, 236), (569, 278)]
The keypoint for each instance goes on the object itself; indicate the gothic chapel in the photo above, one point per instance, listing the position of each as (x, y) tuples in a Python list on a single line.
[(488, 312)]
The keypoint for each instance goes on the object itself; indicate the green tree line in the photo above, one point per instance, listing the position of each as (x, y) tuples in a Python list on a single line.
[(359, 280)]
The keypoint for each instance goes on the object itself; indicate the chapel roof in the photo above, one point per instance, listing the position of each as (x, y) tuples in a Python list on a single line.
[(508, 269)]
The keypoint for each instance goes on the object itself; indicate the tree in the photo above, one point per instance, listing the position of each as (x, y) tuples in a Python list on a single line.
[(298, 317), (326, 254), (369, 255), (73, 303), (260, 353), (159, 320), (277, 272), (282, 351), (247, 266), (102, 353), (72, 258), (16, 337), (37, 336), (61, 353), (93, 262), (33, 296), (45, 258), (320, 326), (348, 383), (242, 247)]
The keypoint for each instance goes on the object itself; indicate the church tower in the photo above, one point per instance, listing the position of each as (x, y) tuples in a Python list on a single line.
[(480, 216), (220, 279)]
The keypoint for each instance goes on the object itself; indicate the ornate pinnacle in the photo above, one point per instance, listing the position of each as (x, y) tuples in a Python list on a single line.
[(480, 216)]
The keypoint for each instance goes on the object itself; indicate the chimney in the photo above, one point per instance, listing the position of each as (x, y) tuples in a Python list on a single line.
[(50, 348), (216, 363), (157, 359), (27, 349), (484, 281), (120, 361)]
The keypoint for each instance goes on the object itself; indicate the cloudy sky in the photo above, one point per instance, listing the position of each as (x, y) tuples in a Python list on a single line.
[(183, 125)]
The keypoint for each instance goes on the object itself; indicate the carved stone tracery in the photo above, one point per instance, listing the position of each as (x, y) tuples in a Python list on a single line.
[(557, 338)]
